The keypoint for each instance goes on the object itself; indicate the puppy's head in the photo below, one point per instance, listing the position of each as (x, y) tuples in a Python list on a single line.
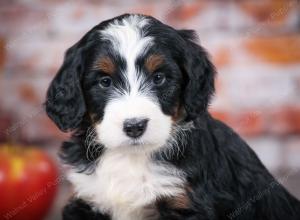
[(132, 78)]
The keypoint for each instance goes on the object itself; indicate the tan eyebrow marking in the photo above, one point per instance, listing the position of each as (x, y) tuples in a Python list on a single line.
[(153, 62), (106, 65)]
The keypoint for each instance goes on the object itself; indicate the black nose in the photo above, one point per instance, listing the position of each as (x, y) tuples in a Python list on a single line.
[(135, 127)]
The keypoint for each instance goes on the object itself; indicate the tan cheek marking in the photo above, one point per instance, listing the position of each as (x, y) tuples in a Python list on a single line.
[(106, 65), (153, 62), (180, 202), (178, 113), (93, 117)]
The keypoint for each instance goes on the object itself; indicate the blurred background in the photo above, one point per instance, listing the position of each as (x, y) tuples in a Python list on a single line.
[(255, 45)]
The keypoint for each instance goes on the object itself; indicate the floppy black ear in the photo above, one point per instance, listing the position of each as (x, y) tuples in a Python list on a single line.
[(65, 102), (200, 73)]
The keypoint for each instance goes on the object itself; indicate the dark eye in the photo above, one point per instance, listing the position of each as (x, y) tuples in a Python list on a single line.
[(158, 79), (105, 82)]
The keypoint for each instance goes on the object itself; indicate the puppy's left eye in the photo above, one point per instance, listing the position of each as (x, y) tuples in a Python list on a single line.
[(105, 82), (159, 79)]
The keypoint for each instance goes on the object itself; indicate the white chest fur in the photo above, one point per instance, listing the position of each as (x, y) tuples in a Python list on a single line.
[(124, 184)]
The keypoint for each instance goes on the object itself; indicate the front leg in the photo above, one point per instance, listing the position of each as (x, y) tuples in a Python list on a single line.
[(78, 209)]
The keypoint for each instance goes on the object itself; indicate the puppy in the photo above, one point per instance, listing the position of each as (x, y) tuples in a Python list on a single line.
[(135, 93)]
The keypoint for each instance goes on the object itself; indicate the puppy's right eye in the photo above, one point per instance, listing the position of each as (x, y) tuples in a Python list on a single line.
[(105, 82), (159, 79)]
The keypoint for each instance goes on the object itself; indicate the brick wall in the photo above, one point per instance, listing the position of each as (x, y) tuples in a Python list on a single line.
[(254, 44)]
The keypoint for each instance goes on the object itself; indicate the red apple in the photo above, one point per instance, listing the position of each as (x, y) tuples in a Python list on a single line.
[(28, 183)]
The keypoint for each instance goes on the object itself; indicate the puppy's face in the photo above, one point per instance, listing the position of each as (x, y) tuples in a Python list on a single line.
[(133, 87), (131, 79), (136, 107)]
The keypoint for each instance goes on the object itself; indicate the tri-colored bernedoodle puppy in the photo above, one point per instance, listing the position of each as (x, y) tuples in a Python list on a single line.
[(135, 93)]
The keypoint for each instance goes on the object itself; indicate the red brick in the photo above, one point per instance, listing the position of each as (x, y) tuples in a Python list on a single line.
[(285, 121), (24, 17), (221, 57), (28, 94), (186, 11), (249, 123), (274, 11), (36, 59), (279, 49), (220, 115)]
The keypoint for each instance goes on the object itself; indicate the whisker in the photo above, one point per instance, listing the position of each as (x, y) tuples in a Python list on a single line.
[(173, 145), (90, 142)]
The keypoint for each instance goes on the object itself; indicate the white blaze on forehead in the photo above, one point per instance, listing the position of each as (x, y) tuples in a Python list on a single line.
[(128, 39)]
